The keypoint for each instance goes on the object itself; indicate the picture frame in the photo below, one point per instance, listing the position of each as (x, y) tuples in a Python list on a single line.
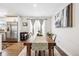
[(64, 17), (25, 24)]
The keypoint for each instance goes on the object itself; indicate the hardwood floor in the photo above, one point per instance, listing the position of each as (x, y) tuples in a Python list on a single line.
[(13, 50), (5, 45)]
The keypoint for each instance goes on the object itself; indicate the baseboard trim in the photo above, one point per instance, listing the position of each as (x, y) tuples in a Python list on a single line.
[(60, 51)]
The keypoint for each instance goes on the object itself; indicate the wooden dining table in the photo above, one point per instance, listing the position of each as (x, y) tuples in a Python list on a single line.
[(51, 43)]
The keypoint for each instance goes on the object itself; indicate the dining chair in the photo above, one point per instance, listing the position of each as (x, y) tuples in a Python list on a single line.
[(54, 38), (39, 53)]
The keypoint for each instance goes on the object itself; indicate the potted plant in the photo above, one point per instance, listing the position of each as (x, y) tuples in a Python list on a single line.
[(49, 34), (39, 33)]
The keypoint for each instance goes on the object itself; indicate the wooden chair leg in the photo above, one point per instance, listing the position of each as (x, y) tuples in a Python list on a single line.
[(49, 52), (35, 52), (39, 52), (53, 51), (44, 52)]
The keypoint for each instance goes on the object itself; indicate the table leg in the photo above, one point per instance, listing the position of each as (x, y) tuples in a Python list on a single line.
[(28, 50), (49, 52), (53, 51), (36, 53)]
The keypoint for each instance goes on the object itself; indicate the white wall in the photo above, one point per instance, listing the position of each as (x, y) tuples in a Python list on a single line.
[(24, 28), (48, 25), (68, 38)]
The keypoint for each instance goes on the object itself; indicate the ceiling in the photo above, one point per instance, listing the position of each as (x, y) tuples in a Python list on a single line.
[(27, 9)]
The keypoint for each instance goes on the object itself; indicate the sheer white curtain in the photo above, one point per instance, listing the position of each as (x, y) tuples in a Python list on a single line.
[(33, 21), (36, 26), (41, 23), (43, 28)]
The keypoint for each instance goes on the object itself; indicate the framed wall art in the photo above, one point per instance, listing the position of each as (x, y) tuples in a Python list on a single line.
[(65, 17), (25, 24)]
